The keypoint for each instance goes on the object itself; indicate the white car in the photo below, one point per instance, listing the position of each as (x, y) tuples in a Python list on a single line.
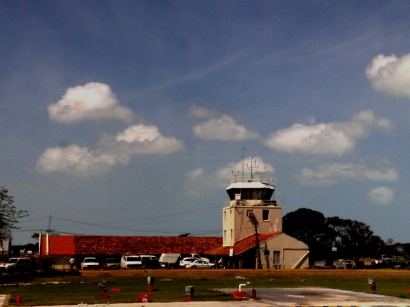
[(198, 257), (199, 264), (131, 262), (90, 263), (186, 261)]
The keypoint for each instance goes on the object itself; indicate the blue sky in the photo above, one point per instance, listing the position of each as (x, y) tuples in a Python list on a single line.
[(128, 117)]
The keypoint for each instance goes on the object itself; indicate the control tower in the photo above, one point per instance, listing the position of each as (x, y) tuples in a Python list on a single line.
[(250, 206)]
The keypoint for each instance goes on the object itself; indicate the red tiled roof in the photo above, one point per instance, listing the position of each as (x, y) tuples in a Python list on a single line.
[(110, 245), (241, 246)]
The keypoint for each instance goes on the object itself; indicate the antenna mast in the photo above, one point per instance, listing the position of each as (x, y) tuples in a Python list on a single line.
[(243, 151), (251, 167)]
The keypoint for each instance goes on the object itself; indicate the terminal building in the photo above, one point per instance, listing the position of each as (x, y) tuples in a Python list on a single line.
[(252, 235)]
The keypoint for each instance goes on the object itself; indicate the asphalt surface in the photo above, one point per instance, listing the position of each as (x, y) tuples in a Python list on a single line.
[(275, 297)]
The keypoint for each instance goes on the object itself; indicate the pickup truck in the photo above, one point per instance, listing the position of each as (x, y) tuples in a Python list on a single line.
[(17, 265)]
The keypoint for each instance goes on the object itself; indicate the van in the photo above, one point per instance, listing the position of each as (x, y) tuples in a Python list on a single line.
[(149, 261), (169, 260), (131, 262)]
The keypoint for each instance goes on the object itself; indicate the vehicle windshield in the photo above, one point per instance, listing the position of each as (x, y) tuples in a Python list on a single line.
[(13, 260), (90, 260), (111, 260), (133, 259)]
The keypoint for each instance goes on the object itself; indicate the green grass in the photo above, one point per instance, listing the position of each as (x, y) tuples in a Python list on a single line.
[(83, 289)]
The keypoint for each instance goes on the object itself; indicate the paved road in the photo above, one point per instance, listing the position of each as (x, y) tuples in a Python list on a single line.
[(322, 297), (275, 297)]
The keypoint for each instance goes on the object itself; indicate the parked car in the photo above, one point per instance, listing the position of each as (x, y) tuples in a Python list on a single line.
[(17, 265), (387, 259), (344, 264), (149, 261), (199, 264), (197, 257), (90, 263), (186, 261), (131, 262), (111, 264)]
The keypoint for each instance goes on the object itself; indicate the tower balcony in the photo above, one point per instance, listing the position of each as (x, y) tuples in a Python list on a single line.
[(251, 202), (240, 179)]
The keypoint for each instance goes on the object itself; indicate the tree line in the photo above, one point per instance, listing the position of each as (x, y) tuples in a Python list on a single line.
[(333, 237)]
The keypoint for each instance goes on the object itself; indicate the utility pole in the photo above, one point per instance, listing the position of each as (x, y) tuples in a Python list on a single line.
[(255, 223)]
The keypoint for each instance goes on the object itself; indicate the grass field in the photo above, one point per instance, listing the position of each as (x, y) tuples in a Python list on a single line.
[(170, 285)]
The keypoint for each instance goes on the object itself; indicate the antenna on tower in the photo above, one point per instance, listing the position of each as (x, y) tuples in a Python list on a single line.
[(243, 152), (252, 165)]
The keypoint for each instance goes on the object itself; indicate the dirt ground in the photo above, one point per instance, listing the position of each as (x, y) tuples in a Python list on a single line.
[(264, 273)]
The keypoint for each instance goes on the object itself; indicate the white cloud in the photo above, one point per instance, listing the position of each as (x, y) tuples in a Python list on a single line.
[(390, 74), (332, 138), (93, 101), (198, 183), (141, 139), (381, 196), (223, 128), (328, 174), (201, 112), (79, 161)]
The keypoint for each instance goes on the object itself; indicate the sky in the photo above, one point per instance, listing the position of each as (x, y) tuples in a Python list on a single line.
[(129, 117)]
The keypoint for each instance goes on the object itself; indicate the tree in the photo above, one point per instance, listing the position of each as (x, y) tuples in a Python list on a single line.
[(306, 225), (9, 215), (355, 238)]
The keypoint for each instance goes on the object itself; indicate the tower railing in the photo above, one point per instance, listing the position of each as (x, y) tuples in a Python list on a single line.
[(252, 202), (239, 178)]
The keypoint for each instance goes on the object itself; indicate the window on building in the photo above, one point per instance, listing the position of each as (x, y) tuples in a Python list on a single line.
[(247, 213), (265, 215), (231, 235), (276, 257), (224, 235), (224, 216)]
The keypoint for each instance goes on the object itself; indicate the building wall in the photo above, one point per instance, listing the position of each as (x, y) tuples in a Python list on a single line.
[(237, 226), (285, 252), (5, 247)]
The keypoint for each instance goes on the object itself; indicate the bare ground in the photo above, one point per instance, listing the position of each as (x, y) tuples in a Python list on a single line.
[(264, 273)]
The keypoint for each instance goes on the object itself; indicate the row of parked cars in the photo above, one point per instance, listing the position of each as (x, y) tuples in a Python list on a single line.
[(144, 261), (126, 262)]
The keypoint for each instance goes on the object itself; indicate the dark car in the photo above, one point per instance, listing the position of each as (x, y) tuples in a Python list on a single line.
[(150, 261), (17, 265), (111, 264)]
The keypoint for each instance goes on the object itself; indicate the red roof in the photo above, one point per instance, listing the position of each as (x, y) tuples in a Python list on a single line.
[(114, 245), (241, 246)]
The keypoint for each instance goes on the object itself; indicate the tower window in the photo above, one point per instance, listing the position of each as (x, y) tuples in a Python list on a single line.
[(265, 215)]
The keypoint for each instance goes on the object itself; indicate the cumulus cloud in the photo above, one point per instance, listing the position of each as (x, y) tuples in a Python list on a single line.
[(141, 139), (79, 161), (224, 128), (381, 196), (328, 174), (198, 183), (93, 101), (335, 138), (201, 112), (390, 74)]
